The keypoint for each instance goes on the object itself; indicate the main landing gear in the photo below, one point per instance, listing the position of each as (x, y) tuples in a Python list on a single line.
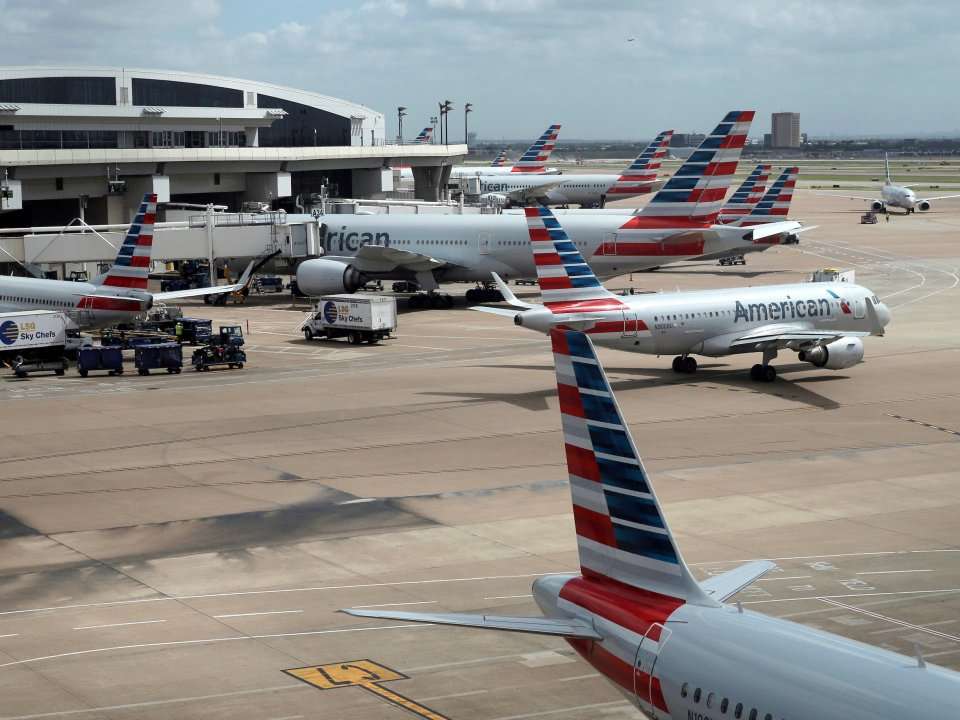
[(438, 301), (765, 372), (685, 364)]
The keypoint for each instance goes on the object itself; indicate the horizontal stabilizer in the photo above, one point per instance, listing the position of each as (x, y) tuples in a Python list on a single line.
[(536, 625), (720, 587), (502, 312), (759, 232), (508, 295)]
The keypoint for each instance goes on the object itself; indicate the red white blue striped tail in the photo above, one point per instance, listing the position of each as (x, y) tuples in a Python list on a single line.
[(622, 533), (775, 204), (567, 283), (641, 175), (746, 196), (694, 195), (535, 159), (500, 160), (425, 136), (131, 269)]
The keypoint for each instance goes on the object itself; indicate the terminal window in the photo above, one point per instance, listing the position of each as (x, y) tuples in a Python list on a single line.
[(60, 90)]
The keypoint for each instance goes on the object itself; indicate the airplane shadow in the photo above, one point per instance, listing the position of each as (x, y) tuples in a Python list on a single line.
[(707, 374)]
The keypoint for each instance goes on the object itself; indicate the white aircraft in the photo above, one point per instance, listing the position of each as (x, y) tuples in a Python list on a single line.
[(822, 322), (119, 297), (679, 223), (898, 196), (594, 189), (500, 160), (671, 645), (746, 196), (533, 161)]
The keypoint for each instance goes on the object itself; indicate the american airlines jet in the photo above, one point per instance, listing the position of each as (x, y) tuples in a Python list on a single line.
[(679, 223), (673, 646), (500, 160), (638, 178), (822, 322), (898, 196), (122, 294), (746, 196), (425, 136)]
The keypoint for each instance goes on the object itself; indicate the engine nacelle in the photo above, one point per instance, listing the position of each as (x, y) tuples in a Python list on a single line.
[(843, 353), (876, 206), (325, 277), (923, 205), (495, 200)]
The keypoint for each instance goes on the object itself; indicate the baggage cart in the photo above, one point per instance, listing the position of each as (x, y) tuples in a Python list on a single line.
[(100, 358), (164, 356)]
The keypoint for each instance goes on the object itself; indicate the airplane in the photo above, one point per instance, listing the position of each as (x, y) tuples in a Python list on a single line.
[(679, 223), (746, 196), (425, 136), (898, 196), (122, 293), (500, 160), (533, 161), (674, 646), (822, 322), (638, 178)]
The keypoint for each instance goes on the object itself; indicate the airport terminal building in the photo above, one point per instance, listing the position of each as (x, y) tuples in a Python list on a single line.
[(89, 142)]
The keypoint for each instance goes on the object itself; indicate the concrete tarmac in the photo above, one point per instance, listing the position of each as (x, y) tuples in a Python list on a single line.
[(170, 545)]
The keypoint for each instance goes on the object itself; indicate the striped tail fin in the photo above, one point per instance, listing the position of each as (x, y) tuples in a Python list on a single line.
[(535, 159), (641, 174), (131, 269), (425, 136), (567, 283), (694, 195), (746, 196), (775, 204), (622, 534), (500, 160)]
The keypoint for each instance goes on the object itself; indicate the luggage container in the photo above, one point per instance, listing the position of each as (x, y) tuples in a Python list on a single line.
[(100, 358), (165, 356)]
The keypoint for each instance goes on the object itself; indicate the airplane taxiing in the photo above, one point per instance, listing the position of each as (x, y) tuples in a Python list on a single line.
[(822, 322), (671, 645), (892, 195), (120, 296)]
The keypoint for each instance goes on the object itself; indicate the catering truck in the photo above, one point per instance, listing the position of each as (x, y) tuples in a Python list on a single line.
[(33, 340), (359, 318)]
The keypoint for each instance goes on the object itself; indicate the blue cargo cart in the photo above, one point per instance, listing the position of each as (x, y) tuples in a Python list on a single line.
[(166, 356), (100, 358)]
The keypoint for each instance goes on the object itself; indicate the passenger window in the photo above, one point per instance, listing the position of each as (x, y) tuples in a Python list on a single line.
[(684, 690), (696, 695), (753, 714), (768, 716), (724, 704), (738, 711), (710, 700)]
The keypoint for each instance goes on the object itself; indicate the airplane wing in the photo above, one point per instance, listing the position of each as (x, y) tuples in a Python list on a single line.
[(787, 335), (525, 195), (571, 628), (849, 197), (213, 290), (720, 587), (938, 197), (381, 259)]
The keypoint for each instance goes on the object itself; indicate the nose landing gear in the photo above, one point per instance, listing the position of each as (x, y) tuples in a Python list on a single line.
[(685, 364)]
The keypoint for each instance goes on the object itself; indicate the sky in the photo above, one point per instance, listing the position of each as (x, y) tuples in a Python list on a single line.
[(613, 69)]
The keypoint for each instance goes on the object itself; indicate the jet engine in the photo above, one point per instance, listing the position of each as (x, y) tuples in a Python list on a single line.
[(323, 277), (923, 205), (843, 353), (495, 200), (876, 206)]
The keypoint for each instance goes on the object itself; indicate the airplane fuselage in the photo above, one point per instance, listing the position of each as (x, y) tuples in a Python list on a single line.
[(899, 197), (676, 661), (87, 306), (572, 190)]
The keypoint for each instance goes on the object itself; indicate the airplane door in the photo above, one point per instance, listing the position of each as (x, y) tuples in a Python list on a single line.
[(483, 243), (644, 665), (859, 310), (629, 324), (609, 246)]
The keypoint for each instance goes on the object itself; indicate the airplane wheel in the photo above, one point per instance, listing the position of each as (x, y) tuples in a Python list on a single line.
[(676, 364), (471, 295), (689, 365), (756, 372), (769, 373)]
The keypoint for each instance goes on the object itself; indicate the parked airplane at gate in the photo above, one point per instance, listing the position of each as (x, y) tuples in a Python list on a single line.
[(638, 178), (121, 295), (671, 644), (822, 322), (898, 196), (679, 223), (533, 161), (500, 160), (746, 196)]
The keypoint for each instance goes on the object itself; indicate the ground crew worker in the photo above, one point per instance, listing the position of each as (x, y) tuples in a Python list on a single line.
[(178, 331)]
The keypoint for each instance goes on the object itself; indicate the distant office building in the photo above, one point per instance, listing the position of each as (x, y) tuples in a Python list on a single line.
[(785, 129), (687, 139), (767, 141)]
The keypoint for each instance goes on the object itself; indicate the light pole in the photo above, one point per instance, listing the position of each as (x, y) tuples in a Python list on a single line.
[(442, 113), (467, 109), (401, 114), (445, 107), (433, 122)]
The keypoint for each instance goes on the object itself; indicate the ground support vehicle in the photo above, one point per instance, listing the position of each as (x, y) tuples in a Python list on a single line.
[(224, 348), (100, 358), (164, 356), (33, 341), (868, 218), (733, 260), (359, 318)]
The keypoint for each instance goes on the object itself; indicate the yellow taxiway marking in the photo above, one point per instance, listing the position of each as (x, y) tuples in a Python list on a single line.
[(365, 674)]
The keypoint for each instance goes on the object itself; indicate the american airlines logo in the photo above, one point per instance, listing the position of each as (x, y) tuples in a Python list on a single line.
[(344, 240), (783, 310)]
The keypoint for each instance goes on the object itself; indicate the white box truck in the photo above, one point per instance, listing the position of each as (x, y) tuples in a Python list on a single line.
[(359, 318), (33, 340)]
